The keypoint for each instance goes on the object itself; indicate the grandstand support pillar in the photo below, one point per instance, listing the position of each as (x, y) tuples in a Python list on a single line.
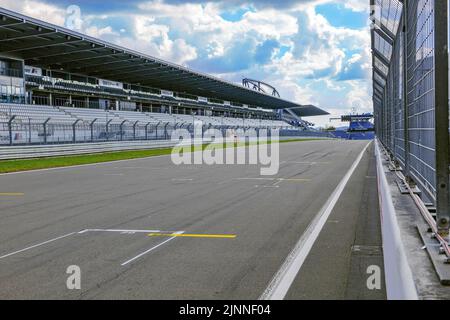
[(10, 129), (134, 130), (121, 129), (50, 99), (45, 130), (92, 129), (441, 117), (74, 130)]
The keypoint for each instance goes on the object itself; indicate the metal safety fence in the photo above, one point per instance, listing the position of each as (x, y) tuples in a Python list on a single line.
[(23, 133), (410, 94)]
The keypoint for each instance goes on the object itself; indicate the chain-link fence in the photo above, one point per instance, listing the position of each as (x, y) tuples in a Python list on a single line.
[(410, 93)]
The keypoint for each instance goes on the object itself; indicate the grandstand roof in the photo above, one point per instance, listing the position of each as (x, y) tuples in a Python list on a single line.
[(49, 46), (306, 111)]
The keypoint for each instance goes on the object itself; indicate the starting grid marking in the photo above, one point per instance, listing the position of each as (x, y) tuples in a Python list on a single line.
[(276, 181), (150, 233), (122, 231), (314, 163)]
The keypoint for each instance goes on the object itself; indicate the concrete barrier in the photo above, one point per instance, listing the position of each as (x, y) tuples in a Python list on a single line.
[(399, 279)]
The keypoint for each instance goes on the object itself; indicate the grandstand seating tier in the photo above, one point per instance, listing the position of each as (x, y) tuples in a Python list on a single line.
[(41, 113)]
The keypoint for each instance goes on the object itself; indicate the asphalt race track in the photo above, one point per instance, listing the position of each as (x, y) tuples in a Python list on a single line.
[(148, 229)]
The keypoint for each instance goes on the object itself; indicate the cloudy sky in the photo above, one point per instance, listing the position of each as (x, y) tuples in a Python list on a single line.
[(312, 51)]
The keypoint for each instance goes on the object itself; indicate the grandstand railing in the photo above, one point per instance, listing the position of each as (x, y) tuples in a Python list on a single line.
[(410, 94)]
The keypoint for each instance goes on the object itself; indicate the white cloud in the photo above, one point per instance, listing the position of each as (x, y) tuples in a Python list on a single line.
[(94, 31), (37, 9)]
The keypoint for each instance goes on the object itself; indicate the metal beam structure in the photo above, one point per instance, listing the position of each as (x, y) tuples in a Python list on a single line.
[(441, 124)]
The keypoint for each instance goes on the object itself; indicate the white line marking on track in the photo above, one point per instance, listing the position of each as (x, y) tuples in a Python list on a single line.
[(151, 249), (37, 245), (119, 230), (313, 163), (283, 279)]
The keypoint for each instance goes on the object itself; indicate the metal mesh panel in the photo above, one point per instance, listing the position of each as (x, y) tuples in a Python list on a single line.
[(390, 14), (382, 46), (420, 89), (389, 96), (381, 66), (379, 79)]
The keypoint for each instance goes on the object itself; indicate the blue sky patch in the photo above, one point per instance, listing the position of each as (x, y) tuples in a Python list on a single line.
[(339, 16)]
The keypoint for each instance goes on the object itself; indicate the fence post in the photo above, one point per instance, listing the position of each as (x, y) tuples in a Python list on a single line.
[(134, 130), (165, 130), (156, 128), (29, 130), (10, 129), (107, 129), (74, 130), (92, 129), (121, 129), (45, 130), (441, 116), (405, 51), (146, 131)]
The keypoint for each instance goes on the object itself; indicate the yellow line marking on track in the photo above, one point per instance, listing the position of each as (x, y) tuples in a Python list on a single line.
[(187, 235), (12, 194)]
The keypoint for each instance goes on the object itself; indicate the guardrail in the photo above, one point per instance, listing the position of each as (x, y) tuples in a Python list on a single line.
[(40, 151), (24, 152)]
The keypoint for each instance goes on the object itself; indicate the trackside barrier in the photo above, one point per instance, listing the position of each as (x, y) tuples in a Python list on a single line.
[(24, 152), (398, 275)]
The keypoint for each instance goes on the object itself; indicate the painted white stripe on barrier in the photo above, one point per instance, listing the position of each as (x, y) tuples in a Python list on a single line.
[(285, 276), (398, 276)]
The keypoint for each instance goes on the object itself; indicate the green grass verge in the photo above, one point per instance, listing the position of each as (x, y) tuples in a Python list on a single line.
[(7, 166)]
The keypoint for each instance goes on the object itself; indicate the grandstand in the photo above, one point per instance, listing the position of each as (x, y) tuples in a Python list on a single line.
[(57, 81), (360, 127)]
